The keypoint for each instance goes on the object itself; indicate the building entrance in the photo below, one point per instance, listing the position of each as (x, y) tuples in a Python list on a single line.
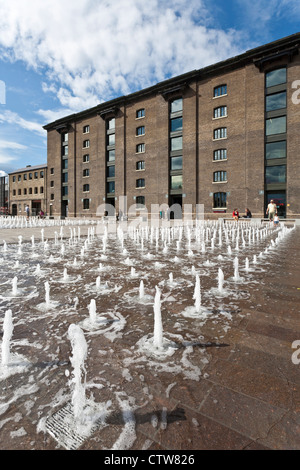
[(175, 204), (279, 197)]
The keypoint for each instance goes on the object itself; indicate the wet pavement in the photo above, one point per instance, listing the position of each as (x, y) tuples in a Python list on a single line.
[(232, 381)]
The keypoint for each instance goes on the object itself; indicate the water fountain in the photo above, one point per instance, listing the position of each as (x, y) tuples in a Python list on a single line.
[(220, 281), (158, 329), (15, 286), (7, 334)]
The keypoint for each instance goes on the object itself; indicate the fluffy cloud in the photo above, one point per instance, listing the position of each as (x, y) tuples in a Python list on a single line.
[(9, 117), (93, 50)]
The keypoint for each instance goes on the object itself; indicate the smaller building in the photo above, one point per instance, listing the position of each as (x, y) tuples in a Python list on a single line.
[(3, 193), (27, 187)]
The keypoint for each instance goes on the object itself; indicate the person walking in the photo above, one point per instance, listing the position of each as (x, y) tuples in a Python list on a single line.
[(271, 210)]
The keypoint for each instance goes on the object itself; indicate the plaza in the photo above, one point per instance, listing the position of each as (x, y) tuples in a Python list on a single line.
[(225, 374)]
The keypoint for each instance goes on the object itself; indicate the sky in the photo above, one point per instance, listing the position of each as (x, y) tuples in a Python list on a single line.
[(61, 57)]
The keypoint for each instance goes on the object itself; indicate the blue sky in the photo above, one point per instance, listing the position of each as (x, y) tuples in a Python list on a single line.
[(57, 58)]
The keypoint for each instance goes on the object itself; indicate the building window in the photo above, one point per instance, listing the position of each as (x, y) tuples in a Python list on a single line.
[(14, 192), (111, 155), (276, 101), (30, 190), (64, 177), (86, 144), (276, 125), (140, 183), (64, 164), (176, 163), (14, 179), (25, 191), (111, 123), (140, 200), (140, 130), (176, 124), (41, 189), (19, 177), (30, 176), (35, 190), (140, 113), (111, 171), (110, 187), (86, 173), (220, 112), (140, 148), (65, 137), (86, 129), (86, 204), (51, 184), (176, 105), (276, 77), (52, 196), (220, 133), (35, 175), (65, 190), (41, 174), (276, 150), (86, 158), (275, 174), (65, 151), (219, 200), (51, 171), (176, 143), (86, 188), (220, 176), (220, 154), (140, 165), (19, 192), (176, 182), (220, 90), (111, 139), (25, 177)]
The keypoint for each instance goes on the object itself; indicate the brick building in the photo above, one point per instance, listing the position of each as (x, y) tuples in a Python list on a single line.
[(224, 136), (28, 187)]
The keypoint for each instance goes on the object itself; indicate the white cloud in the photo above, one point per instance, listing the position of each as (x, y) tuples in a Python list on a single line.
[(93, 50), (9, 117), (4, 144)]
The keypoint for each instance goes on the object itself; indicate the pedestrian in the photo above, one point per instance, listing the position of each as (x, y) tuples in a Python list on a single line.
[(248, 214), (276, 220), (27, 211), (235, 214), (271, 210)]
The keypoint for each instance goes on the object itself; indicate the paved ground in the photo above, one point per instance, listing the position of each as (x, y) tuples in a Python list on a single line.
[(233, 384)]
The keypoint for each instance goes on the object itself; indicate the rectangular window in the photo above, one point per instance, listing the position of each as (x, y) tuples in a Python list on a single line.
[(220, 112), (220, 154), (275, 174), (140, 200), (220, 90), (140, 183), (42, 189), (25, 191), (276, 77), (140, 113), (86, 172), (64, 164), (65, 137), (14, 179), (220, 176), (65, 190), (52, 196), (51, 171), (110, 187), (276, 150), (65, 150), (276, 125), (86, 144), (35, 190), (176, 182), (19, 177), (51, 184), (176, 163), (86, 158), (111, 123), (111, 171), (111, 155), (30, 190), (140, 165), (25, 177), (219, 200), (111, 139), (86, 188), (30, 176), (140, 130), (86, 204), (176, 105), (86, 129), (276, 101), (176, 143), (19, 192), (220, 133), (64, 177), (140, 148), (35, 175), (176, 124)]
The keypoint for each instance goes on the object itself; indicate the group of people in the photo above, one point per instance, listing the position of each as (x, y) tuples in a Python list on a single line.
[(271, 213)]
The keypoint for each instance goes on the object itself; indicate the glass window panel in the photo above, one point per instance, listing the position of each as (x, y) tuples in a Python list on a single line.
[(111, 187), (176, 182), (276, 77), (111, 171), (220, 90), (276, 125), (275, 174), (111, 139), (176, 163), (140, 165), (176, 105), (219, 199), (65, 177), (220, 154), (111, 155), (140, 113), (176, 143), (140, 183), (276, 101), (111, 123), (276, 150), (176, 124), (65, 164)]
